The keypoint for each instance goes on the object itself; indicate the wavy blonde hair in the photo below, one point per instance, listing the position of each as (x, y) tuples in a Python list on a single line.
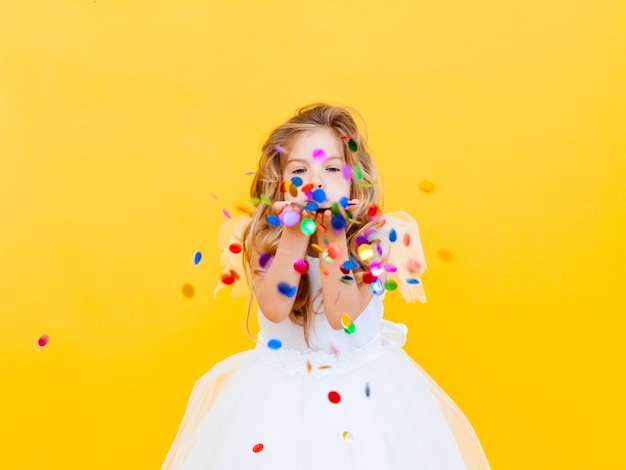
[(261, 237)]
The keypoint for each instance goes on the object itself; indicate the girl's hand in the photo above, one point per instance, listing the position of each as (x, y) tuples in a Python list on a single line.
[(324, 218)]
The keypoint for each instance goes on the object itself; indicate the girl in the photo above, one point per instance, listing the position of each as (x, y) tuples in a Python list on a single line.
[(328, 385)]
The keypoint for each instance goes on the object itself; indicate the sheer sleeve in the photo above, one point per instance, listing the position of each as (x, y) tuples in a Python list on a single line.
[(406, 254), (229, 240)]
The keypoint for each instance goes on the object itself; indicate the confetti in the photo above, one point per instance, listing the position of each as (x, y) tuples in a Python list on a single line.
[(376, 269), (308, 366), (334, 397), (228, 279), (257, 448), (226, 214), (353, 146), (338, 222), (296, 181), (319, 155), (444, 255), (279, 149), (413, 265), (316, 247), (346, 321), (290, 218), (351, 329), (365, 251), (427, 187), (358, 171), (311, 206), (334, 250), (390, 268), (188, 290), (274, 344), (406, 239), (391, 285), (393, 236), (235, 248), (287, 290), (350, 264), (368, 277), (412, 281), (377, 287), (43, 340), (346, 172), (367, 390), (347, 436), (301, 266), (273, 220), (265, 259), (361, 239), (319, 195), (197, 257), (308, 226), (266, 200), (326, 257)]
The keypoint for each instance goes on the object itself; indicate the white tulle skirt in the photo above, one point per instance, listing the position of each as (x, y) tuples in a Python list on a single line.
[(373, 408)]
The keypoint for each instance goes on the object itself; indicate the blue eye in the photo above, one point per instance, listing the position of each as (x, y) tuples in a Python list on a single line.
[(333, 169), (299, 171)]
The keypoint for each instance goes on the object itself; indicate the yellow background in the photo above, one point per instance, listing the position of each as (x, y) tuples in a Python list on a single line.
[(127, 126)]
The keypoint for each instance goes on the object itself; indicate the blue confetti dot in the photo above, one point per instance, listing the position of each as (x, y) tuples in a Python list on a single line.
[(338, 222), (344, 202), (319, 195), (412, 281), (273, 220), (350, 264), (311, 206), (377, 287), (393, 236), (197, 257), (274, 344), (297, 181), (287, 290)]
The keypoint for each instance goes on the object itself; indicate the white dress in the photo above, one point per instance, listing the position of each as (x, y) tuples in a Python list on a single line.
[(349, 401)]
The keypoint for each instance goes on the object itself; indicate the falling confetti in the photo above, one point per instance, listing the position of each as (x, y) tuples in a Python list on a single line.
[(266, 200), (353, 146), (296, 181), (257, 448), (308, 226), (227, 279), (347, 436), (301, 266), (274, 344), (290, 218), (197, 257), (412, 281), (358, 171), (445, 255), (334, 250), (376, 269), (235, 248), (287, 290), (406, 239), (226, 214), (338, 222), (391, 285), (393, 236), (265, 259), (346, 172), (413, 265), (346, 321), (279, 149), (188, 290), (319, 155), (365, 251), (427, 187), (43, 340), (349, 265), (334, 397), (319, 195), (377, 287), (367, 390), (273, 220)]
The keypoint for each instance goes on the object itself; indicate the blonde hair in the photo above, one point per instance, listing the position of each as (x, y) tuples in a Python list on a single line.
[(262, 237)]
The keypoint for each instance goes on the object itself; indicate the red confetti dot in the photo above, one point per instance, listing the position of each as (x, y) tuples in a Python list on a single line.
[(334, 397), (413, 265), (406, 239), (228, 279), (257, 448), (235, 248), (43, 340), (368, 277), (373, 212)]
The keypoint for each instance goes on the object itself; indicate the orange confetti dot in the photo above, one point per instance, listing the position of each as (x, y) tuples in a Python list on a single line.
[(406, 239), (445, 255), (413, 265), (188, 290), (257, 448)]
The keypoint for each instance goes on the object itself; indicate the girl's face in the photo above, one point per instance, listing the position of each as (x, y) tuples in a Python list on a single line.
[(306, 161)]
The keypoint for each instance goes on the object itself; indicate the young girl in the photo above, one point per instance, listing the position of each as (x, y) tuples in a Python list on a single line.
[(328, 385)]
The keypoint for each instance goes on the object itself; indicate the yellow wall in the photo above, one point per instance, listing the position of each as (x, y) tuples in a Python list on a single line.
[(126, 127)]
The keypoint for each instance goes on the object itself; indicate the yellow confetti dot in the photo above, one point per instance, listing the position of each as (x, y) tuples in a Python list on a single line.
[(427, 186), (317, 248), (347, 436), (445, 255), (188, 290), (365, 251), (346, 321)]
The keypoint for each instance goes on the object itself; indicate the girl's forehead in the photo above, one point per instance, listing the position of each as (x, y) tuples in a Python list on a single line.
[(313, 143)]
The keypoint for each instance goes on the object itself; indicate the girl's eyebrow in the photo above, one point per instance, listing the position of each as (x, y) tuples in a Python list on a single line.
[(302, 160)]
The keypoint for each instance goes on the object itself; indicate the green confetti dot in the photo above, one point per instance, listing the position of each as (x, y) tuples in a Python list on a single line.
[(353, 146)]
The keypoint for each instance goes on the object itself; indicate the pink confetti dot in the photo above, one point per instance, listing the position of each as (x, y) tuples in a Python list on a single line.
[(319, 155), (226, 214), (43, 340)]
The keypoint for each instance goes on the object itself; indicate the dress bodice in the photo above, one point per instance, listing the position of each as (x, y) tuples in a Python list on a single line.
[(322, 337)]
